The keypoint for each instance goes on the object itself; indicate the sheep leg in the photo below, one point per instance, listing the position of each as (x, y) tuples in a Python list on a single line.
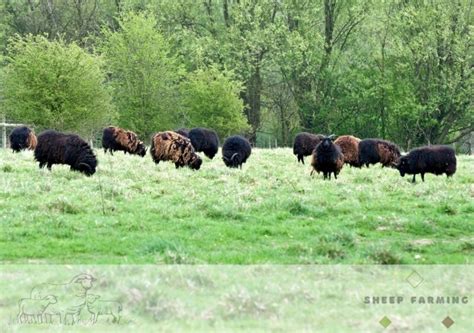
[(49, 166), (423, 177), (413, 180), (41, 165), (335, 175)]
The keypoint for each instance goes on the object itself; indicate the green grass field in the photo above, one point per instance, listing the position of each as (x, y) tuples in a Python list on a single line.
[(271, 211)]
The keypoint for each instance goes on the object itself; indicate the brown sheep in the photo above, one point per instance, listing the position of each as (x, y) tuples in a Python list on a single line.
[(350, 148), (116, 138), (372, 151), (171, 146)]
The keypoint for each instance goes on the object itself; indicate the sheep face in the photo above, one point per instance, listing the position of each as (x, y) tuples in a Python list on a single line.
[(403, 166), (90, 299), (85, 280), (326, 143), (50, 299), (141, 149), (195, 162)]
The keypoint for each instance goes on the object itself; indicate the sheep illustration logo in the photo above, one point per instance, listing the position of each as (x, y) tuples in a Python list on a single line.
[(66, 303)]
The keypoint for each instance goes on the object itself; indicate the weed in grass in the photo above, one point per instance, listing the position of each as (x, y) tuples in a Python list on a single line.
[(385, 257), (7, 168)]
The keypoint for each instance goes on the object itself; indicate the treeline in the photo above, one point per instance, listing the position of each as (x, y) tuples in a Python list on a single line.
[(399, 70)]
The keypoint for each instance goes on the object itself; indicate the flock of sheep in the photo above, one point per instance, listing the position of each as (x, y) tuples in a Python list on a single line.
[(180, 147), (329, 157)]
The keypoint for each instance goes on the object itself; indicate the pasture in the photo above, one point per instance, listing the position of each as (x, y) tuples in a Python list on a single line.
[(270, 212)]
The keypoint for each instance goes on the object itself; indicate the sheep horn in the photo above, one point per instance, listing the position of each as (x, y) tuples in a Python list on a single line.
[(86, 165), (233, 156), (332, 136)]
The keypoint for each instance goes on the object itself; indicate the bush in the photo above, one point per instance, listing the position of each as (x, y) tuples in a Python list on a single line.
[(51, 84), (210, 98)]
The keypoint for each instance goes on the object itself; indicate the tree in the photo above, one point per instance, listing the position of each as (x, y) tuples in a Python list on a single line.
[(210, 98), (144, 74), (434, 58), (55, 85)]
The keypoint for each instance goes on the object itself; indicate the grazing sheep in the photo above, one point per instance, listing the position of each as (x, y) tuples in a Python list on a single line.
[(305, 143), (183, 132), (171, 146), (115, 138), (22, 138), (372, 151), (204, 140), (430, 159), (31, 310), (350, 149), (235, 151), (59, 148), (98, 307), (327, 158)]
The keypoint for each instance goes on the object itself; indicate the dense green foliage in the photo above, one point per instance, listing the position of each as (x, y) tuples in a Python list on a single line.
[(400, 70), (133, 211), (210, 99), (54, 85), (144, 74)]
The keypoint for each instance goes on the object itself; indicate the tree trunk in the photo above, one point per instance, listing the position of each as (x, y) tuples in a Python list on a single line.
[(253, 102)]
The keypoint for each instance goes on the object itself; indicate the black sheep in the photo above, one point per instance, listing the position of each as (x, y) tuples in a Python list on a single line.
[(204, 140), (327, 158), (235, 151), (372, 151), (431, 159), (183, 131), (304, 144), (22, 138), (59, 148)]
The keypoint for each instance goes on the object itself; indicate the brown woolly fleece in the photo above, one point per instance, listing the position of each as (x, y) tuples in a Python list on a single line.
[(171, 146), (389, 154), (31, 142), (126, 138), (350, 148)]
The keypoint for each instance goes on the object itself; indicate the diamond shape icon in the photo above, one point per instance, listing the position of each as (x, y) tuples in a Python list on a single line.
[(414, 279), (385, 322), (447, 322)]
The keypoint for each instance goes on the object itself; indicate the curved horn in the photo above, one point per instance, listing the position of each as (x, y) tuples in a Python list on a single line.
[(233, 156), (86, 165), (332, 136)]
